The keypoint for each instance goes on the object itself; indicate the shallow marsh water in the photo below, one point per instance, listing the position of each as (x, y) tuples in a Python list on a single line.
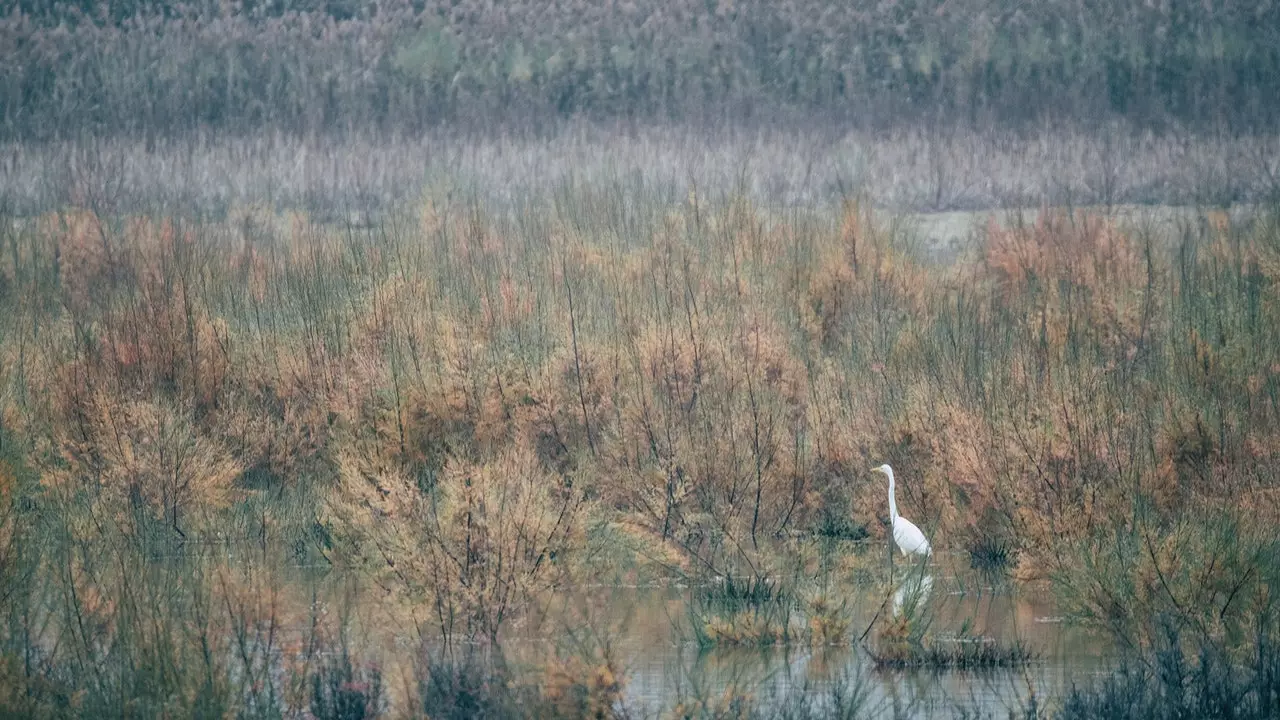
[(648, 629), (650, 633)]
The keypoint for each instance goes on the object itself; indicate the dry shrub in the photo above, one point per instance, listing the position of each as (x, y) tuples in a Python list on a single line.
[(141, 454), (437, 425), (1077, 270), (581, 389), (1188, 456), (772, 363), (481, 544), (578, 688), (668, 373), (1086, 250), (512, 407), (947, 467), (170, 342), (140, 291), (725, 377), (1064, 481), (85, 262), (860, 271), (450, 396), (830, 298), (707, 436), (474, 404), (747, 628), (279, 417), (828, 623), (501, 527)]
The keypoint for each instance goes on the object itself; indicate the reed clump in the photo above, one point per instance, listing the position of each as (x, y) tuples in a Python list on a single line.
[(751, 612), (962, 654)]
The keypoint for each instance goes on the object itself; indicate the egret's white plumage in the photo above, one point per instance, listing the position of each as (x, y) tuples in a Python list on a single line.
[(905, 533)]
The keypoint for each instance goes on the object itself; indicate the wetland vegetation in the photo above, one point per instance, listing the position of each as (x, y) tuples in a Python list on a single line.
[(421, 367)]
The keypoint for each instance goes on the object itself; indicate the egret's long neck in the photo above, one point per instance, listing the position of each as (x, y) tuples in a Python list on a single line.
[(893, 502)]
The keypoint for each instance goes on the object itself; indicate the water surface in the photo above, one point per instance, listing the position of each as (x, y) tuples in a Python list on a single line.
[(649, 628)]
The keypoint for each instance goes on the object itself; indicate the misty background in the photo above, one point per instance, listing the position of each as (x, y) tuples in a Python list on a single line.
[(926, 106)]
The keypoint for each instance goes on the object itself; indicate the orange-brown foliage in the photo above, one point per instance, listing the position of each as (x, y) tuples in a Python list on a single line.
[(729, 374), (577, 688)]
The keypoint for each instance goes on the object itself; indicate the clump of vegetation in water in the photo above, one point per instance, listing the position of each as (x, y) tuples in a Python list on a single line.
[(958, 654), (989, 553), (828, 621), (747, 611), (905, 636), (760, 612)]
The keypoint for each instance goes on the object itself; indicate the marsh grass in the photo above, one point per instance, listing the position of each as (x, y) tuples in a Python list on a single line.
[(484, 684), (359, 177), (446, 400), (1207, 679), (750, 611), (990, 554), (959, 654)]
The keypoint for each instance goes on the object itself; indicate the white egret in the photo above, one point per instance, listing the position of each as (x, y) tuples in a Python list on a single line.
[(905, 533)]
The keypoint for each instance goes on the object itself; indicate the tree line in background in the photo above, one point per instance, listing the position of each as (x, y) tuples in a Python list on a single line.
[(323, 66)]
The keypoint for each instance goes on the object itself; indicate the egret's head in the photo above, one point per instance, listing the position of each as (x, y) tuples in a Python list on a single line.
[(884, 469)]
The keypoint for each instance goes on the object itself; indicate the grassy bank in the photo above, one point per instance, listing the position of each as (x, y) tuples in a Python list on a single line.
[(468, 408)]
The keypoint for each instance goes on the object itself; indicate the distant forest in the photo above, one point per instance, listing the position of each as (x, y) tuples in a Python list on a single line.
[(154, 69)]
